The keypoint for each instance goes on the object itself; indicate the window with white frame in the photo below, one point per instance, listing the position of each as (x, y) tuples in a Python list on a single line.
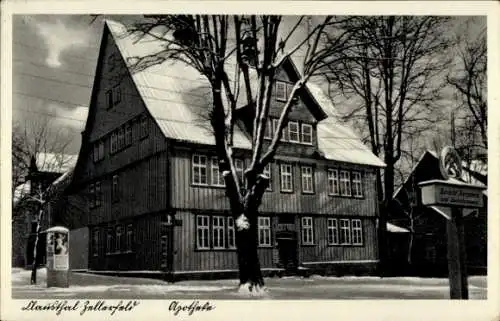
[(239, 167), (199, 169), (218, 230), (286, 178), (121, 138), (307, 231), (118, 238), (333, 231), (345, 183), (231, 235), (109, 241), (293, 132), (264, 226), (217, 177), (202, 232), (307, 175), (281, 94), (98, 151), (268, 133), (357, 185), (284, 132), (129, 241), (306, 134), (267, 171), (95, 242), (333, 182), (345, 231), (357, 232)]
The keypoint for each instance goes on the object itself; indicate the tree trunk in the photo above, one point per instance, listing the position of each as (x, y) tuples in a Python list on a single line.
[(248, 258), (35, 252)]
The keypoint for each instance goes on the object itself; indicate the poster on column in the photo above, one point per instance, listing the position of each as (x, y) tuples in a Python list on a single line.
[(61, 259)]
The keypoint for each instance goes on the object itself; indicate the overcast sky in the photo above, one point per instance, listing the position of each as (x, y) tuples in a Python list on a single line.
[(53, 69)]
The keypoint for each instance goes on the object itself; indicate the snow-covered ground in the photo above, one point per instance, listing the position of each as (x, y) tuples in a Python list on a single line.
[(315, 287)]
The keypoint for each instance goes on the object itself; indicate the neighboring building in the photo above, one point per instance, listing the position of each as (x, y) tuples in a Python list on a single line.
[(429, 237), (45, 170), (148, 158)]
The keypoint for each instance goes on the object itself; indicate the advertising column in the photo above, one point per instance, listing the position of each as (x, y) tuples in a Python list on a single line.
[(58, 257)]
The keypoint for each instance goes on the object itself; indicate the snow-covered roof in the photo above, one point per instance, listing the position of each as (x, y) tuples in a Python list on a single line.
[(391, 228), (20, 191), (55, 162), (177, 97)]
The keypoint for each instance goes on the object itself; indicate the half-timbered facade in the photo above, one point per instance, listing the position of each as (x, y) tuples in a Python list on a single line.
[(156, 198)]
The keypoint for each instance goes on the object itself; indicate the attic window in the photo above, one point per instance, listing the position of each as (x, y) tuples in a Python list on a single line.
[(111, 62), (281, 91)]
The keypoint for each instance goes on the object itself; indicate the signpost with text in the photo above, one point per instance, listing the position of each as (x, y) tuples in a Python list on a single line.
[(453, 193)]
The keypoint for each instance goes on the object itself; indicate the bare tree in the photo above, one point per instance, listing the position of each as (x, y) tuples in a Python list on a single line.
[(38, 145), (397, 78), (257, 46), (469, 80)]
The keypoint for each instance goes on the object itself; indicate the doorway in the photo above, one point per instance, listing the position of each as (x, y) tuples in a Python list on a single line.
[(287, 249)]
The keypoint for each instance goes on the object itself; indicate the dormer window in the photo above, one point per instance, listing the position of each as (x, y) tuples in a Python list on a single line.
[(307, 134), (281, 94), (293, 131)]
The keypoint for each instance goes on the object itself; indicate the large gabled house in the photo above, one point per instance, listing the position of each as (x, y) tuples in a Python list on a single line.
[(156, 202), (426, 225)]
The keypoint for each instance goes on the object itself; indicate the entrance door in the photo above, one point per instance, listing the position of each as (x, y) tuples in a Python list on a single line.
[(287, 249)]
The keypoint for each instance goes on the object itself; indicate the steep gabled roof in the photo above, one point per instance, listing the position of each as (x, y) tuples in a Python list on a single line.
[(177, 96)]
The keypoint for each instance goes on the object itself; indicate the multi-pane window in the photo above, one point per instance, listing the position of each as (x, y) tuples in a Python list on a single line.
[(357, 185), (307, 176), (98, 194), (284, 131), (95, 242), (199, 164), (333, 182), (267, 171), (345, 183), (114, 143), (333, 231), (239, 166), (118, 238), (281, 94), (109, 99), (129, 241), (357, 232), (307, 231), (286, 178), (345, 231), (269, 129), (109, 241), (115, 189), (91, 195), (307, 134), (293, 132), (143, 127), (217, 177), (264, 226), (117, 95), (231, 235), (202, 232), (128, 135), (121, 138), (218, 230), (98, 151)]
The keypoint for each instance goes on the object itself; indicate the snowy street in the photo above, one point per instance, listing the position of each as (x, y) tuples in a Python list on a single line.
[(83, 285)]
